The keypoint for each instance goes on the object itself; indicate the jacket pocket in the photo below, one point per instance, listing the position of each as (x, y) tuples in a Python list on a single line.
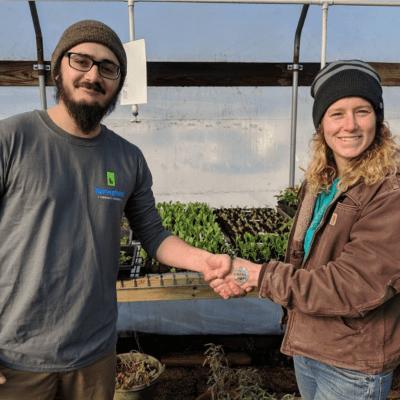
[(296, 254), (352, 323), (347, 324)]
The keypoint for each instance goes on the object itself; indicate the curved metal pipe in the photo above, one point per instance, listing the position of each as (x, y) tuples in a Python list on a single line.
[(296, 57), (39, 47)]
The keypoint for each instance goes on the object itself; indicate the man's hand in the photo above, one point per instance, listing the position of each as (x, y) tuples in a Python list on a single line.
[(177, 253), (217, 266), (241, 280), (2, 379)]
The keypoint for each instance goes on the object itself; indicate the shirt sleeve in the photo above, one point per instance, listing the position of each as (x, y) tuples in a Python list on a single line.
[(3, 163), (141, 211), (365, 275)]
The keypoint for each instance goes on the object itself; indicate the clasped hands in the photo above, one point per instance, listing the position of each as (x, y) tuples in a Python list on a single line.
[(232, 278)]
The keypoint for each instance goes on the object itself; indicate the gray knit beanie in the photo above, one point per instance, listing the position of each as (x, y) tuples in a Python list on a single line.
[(343, 79), (88, 31)]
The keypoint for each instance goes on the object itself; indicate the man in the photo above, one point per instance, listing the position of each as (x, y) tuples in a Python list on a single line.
[(65, 181)]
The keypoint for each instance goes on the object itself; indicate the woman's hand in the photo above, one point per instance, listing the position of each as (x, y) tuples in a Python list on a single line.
[(241, 280)]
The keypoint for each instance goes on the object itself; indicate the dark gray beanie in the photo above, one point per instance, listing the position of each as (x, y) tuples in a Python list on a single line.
[(343, 79), (88, 31)]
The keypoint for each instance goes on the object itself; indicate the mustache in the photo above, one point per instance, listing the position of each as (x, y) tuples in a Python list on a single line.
[(93, 86)]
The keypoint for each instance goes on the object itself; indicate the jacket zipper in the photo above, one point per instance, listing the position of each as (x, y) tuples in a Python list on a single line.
[(284, 317)]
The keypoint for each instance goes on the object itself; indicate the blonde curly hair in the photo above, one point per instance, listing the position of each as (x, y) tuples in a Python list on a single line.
[(379, 159)]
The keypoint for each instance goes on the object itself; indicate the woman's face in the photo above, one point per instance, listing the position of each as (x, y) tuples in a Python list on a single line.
[(349, 128)]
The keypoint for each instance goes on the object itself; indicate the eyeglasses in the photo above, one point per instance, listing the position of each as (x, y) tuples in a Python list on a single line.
[(84, 63)]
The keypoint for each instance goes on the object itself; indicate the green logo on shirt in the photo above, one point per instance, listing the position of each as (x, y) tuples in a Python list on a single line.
[(110, 178)]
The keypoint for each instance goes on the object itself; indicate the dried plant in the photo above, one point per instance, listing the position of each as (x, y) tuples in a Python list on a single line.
[(222, 378), (134, 371), (245, 381)]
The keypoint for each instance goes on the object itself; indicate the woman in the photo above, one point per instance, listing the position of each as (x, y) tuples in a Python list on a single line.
[(340, 283)]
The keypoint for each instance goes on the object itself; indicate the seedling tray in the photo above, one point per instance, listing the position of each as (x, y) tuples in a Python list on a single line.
[(251, 234), (255, 221)]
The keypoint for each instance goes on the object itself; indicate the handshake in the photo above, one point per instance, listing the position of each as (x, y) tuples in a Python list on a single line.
[(231, 278)]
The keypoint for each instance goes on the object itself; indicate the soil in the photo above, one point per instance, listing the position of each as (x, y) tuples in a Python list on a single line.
[(189, 382)]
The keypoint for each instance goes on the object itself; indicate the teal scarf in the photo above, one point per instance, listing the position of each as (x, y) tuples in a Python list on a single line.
[(324, 199)]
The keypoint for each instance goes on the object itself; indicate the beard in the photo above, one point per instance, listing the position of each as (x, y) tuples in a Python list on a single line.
[(86, 116)]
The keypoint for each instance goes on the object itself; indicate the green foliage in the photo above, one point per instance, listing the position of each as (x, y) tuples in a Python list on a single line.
[(124, 258), (143, 254), (124, 240), (279, 244), (194, 223), (261, 248), (124, 224), (289, 195)]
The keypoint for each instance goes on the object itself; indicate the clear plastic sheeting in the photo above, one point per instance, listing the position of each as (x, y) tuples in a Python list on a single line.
[(200, 317)]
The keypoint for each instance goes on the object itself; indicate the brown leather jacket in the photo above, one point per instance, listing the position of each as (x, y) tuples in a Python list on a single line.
[(342, 302)]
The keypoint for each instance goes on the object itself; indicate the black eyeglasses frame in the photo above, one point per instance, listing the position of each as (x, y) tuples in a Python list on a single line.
[(98, 63)]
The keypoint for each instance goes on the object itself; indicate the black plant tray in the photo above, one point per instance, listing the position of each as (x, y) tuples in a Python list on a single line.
[(236, 222), (126, 232), (289, 209), (125, 268)]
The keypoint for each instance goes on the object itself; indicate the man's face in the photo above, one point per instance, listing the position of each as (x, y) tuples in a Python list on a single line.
[(87, 95)]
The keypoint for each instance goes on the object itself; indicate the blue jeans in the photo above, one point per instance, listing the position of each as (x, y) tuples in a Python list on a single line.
[(320, 381)]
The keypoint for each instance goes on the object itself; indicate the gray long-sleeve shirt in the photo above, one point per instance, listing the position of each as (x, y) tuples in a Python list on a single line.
[(61, 201)]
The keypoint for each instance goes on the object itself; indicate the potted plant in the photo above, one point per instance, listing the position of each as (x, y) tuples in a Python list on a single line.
[(225, 383), (288, 201), (127, 258), (137, 375)]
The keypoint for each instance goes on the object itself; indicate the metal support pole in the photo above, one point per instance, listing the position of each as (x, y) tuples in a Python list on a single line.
[(131, 5), (324, 31), (296, 67), (39, 45)]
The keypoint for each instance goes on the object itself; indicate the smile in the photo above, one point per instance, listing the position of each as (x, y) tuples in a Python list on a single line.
[(89, 87), (91, 90), (350, 139)]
